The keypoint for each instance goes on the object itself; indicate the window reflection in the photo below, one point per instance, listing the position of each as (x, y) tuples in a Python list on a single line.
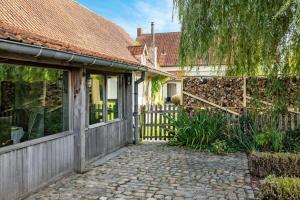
[(96, 97), (33, 103)]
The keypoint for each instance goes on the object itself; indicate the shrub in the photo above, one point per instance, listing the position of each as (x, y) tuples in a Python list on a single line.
[(279, 164), (269, 140), (291, 141), (280, 189), (176, 99), (203, 130)]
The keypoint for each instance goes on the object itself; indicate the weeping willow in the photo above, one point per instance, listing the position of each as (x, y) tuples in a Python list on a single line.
[(250, 36)]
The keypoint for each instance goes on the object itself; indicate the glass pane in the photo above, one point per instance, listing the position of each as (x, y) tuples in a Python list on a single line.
[(112, 98), (96, 96), (33, 103)]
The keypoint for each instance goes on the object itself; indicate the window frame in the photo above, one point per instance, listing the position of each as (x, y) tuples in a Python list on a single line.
[(121, 98)]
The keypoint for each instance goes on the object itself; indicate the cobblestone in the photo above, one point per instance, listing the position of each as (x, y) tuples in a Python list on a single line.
[(158, 171)]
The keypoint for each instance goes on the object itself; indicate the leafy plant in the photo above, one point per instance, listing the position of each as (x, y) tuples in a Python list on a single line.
[(291, 141), (204, 130), (156, 83), (280, 188), (269, 140)]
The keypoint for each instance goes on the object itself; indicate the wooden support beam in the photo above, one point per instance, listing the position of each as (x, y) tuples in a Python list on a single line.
[(245, 93), (79, 124), (270, 104), (212, 104)]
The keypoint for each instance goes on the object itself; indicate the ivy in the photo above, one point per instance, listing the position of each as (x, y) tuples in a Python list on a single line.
[(156, 84)]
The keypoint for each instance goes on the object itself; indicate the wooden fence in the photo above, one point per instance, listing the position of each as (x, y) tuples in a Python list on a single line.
[(155, 122)]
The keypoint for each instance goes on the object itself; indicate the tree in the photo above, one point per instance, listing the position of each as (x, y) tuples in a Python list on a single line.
[(250, 36)]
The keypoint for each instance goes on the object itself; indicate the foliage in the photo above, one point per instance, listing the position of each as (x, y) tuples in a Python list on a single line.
[(176, 99), (291, 141), (157, 83), (269, 140), (204, 130), (27, 74), (214, 131), (253, 37), (279, 164), (279, 188)]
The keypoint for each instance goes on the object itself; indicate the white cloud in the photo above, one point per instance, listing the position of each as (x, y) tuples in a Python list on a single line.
[(158, 11)]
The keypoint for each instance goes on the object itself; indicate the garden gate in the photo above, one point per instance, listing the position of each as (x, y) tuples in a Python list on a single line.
[(155, 122)]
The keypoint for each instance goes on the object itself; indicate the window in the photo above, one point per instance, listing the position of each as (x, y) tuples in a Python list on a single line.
[(34, 102), (105, 98), (96, 98), (112, 97)]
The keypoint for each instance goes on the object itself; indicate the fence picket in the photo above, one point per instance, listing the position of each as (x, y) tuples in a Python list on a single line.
[(155, 121), (160, 121)]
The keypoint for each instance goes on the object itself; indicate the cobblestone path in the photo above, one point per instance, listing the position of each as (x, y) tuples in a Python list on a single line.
[(158, 171)]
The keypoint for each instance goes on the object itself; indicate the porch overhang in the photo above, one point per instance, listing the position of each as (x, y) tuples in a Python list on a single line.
[(154, 72), (11, 50)]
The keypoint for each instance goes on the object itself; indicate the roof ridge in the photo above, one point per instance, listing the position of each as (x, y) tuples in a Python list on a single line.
[(146, 34)]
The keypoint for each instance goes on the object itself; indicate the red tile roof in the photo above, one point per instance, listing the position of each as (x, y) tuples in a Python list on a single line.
[(136, 50), (64, 25), (167, 47)]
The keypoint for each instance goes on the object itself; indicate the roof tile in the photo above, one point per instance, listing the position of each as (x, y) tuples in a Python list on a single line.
[(64, 25)]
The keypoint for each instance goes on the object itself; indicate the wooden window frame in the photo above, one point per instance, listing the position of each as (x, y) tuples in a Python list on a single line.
[(121, 100)]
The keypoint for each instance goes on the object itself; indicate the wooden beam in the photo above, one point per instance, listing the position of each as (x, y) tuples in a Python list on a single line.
[(270, 104), (245, 92), (212, 104), (79, 125)]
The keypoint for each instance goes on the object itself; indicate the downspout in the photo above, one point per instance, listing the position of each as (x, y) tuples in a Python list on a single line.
[(136, 107)]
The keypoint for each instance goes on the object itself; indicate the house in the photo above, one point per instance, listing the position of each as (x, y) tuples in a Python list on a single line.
[(147, 55), (67, 79), (167, 45)]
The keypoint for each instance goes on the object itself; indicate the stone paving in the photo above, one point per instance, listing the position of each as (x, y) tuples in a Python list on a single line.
[(158, 171)]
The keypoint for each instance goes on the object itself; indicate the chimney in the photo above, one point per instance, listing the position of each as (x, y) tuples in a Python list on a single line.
[(139, 32), (153, 34)]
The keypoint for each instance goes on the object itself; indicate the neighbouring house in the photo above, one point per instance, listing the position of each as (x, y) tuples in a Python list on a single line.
[(167, 45), (67, 79), (147, 55)]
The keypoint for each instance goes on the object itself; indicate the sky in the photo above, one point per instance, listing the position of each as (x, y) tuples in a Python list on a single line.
[(131, 14)]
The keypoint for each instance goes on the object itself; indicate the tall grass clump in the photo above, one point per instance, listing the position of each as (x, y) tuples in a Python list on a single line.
[(204, 130), (214, 131)]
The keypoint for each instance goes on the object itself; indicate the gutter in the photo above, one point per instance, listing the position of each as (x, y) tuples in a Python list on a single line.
[(43, 52), (159, 72), (136, 108)]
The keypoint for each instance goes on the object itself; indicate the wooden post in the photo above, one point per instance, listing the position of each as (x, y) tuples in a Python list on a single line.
[(79, 87), (129, 108), (245, 93)]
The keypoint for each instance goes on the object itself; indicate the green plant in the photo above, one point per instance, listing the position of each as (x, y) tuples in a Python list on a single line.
[(291, 141), (201, 131), (156, 84), (280, 188), (250, 36), (269, 140), (279, 164)]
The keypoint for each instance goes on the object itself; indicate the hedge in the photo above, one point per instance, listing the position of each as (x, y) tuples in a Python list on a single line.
[(280, 189), (279, 164)]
